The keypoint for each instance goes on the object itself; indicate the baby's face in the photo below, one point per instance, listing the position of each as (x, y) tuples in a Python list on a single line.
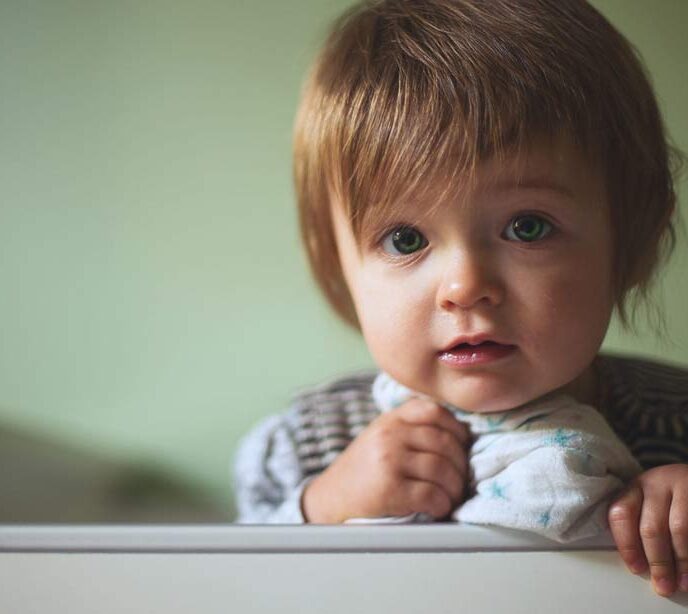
[(499, 295)]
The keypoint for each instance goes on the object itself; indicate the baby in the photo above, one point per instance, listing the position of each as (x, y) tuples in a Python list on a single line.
[(480, 185)]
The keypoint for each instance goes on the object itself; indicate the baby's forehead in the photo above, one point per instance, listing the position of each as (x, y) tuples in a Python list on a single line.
[(557, 168)]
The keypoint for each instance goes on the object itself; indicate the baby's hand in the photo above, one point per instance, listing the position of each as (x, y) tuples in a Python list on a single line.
[(412, 459), (649, 522)]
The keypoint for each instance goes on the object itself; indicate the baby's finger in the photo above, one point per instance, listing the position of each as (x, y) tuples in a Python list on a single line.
[(624, 520), (678, 525), (437, 470), (656, 538), (428, 498), (437, 441), (428, 413)]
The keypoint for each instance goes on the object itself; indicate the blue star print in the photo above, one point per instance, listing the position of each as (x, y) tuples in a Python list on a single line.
[(560, 438), (497, 491), (544, 519)]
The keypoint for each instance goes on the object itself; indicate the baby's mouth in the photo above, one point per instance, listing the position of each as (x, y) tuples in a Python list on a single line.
[(463, 354), (467, 346)]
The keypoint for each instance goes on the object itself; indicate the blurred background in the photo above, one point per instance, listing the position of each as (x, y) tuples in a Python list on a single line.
[(154, 300)]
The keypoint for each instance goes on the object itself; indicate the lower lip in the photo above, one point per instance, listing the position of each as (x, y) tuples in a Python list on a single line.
[(476, 355)]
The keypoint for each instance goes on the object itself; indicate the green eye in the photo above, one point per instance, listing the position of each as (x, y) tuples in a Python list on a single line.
[(403, 240), (527, 228)]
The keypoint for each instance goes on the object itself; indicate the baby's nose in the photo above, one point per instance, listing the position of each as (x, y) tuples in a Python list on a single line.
[(469, 280)]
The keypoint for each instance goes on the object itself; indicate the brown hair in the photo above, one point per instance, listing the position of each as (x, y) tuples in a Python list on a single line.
[(404, 91)]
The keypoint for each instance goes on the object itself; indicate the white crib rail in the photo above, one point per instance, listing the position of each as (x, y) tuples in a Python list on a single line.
[(313, 569)]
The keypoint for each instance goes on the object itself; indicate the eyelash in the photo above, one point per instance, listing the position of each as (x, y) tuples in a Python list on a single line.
[(396, 258), (551, 229), (398, 228)]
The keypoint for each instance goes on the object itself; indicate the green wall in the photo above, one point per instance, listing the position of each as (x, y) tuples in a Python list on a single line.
[(154, 298)]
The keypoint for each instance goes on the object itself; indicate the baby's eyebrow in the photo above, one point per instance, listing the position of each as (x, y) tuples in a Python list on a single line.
[(532, 183)]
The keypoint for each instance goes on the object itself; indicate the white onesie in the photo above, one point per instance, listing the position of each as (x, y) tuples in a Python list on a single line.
[(549, 467)]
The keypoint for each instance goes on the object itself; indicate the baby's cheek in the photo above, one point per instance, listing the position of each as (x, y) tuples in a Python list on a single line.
[(383, 328), (393, 331)]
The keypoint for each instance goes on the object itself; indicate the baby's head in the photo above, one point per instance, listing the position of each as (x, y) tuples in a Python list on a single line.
[(479, 186)]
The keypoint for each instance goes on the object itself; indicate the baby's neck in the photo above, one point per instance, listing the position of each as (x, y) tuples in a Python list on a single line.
[(585, 388)]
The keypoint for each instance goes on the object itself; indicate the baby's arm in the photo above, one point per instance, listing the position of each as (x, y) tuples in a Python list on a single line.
[(268, 478), (410, 460), (649, 522)]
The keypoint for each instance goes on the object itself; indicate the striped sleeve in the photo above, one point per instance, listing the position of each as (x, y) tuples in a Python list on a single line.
[(647, 405), (268, 481), (283, 453)]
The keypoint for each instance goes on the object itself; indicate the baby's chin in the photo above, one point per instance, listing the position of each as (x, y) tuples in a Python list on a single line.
[(480, 393)]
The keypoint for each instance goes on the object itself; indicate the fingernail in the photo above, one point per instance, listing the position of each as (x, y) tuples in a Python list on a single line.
[(664, 586), (683, 582), (637, 566)]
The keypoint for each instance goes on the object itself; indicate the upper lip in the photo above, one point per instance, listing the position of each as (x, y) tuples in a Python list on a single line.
[(475, 339)]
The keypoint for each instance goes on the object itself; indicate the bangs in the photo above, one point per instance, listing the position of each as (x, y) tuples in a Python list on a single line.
[(416, 100)]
